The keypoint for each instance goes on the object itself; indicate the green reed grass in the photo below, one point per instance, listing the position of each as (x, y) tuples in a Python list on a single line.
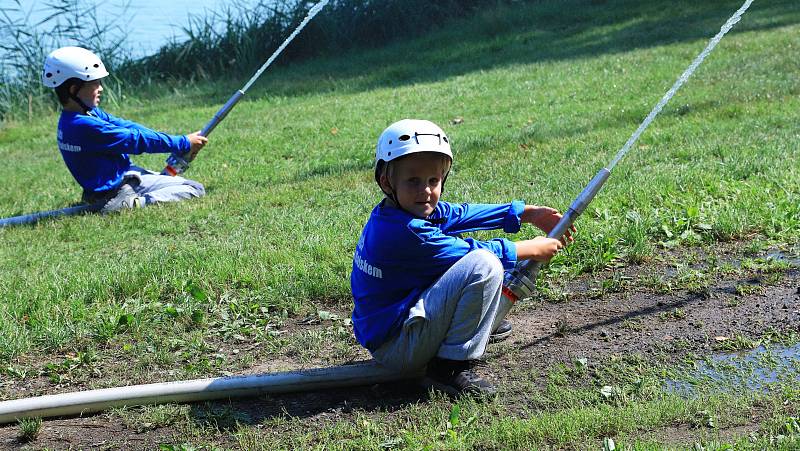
[(25, 44)]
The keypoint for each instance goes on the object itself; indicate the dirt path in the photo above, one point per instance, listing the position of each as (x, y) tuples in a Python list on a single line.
[(676, 323), (649, 310)]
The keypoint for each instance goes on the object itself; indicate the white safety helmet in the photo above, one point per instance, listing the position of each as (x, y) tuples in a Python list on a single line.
[(71, 62), (409, 136)]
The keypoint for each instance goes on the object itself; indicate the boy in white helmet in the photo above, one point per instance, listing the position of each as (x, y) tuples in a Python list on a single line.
[(96, 145), (424, 295)]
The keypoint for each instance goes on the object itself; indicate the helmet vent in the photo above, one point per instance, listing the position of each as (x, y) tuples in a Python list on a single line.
[(390, 154), (390, 141), (444, 138), (404, 138), (48, 75), (96, 65)]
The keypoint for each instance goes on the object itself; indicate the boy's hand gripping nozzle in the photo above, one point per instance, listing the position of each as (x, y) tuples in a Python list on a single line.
[(178, 163), (520, 282)]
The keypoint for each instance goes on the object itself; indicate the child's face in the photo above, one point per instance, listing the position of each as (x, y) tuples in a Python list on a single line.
[(90, 93), (417, 182)]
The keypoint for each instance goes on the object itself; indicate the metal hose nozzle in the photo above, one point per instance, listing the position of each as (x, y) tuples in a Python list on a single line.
[(520, 282)]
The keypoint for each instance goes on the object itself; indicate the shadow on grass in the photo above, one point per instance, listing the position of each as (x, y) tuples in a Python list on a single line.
[(527, 33), (655, 310), (522, 33), (523, 136), (335, 169)]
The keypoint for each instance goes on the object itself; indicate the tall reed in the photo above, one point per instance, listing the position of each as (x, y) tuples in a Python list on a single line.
[(237, 39), (24, 43)]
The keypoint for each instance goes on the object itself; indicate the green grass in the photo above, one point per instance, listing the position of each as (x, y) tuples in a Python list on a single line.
[(547, 94), (29, 429)]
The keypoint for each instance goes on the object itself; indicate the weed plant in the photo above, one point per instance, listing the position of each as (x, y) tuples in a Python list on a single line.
[(29, 429)]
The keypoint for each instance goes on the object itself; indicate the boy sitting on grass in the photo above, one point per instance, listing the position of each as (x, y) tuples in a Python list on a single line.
[(95, 145), (424, 295)]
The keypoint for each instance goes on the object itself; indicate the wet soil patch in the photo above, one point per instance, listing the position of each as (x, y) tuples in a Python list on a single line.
[(647, 323), (592, 322)]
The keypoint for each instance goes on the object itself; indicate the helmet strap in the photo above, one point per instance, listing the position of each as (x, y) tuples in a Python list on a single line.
[(391, 194), (80, 102), (77, 100), (393, 197)]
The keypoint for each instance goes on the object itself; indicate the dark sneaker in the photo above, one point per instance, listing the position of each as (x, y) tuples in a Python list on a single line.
[(457, 377), (125, 198), (502, 332)]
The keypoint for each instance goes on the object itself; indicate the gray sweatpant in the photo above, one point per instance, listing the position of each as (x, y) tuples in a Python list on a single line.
[(153, 187), (452, 318), (164, 188)]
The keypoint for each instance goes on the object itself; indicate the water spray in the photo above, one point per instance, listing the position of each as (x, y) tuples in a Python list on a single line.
[(520, 282), (177, 163)]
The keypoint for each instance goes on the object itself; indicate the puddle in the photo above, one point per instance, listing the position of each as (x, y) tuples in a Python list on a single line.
[(755, 370), (792, 260)]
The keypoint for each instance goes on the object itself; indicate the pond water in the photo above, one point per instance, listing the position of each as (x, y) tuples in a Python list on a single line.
[(755, 370), (147, 24)]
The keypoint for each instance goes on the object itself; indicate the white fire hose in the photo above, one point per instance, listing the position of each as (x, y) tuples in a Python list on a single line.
[(79, 403)]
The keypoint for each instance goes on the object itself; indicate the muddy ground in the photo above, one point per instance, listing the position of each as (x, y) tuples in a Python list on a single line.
[(650, 309)]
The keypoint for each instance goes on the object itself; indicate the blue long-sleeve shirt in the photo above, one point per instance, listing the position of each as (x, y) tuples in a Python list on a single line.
[(96, 147), (398, 256)]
